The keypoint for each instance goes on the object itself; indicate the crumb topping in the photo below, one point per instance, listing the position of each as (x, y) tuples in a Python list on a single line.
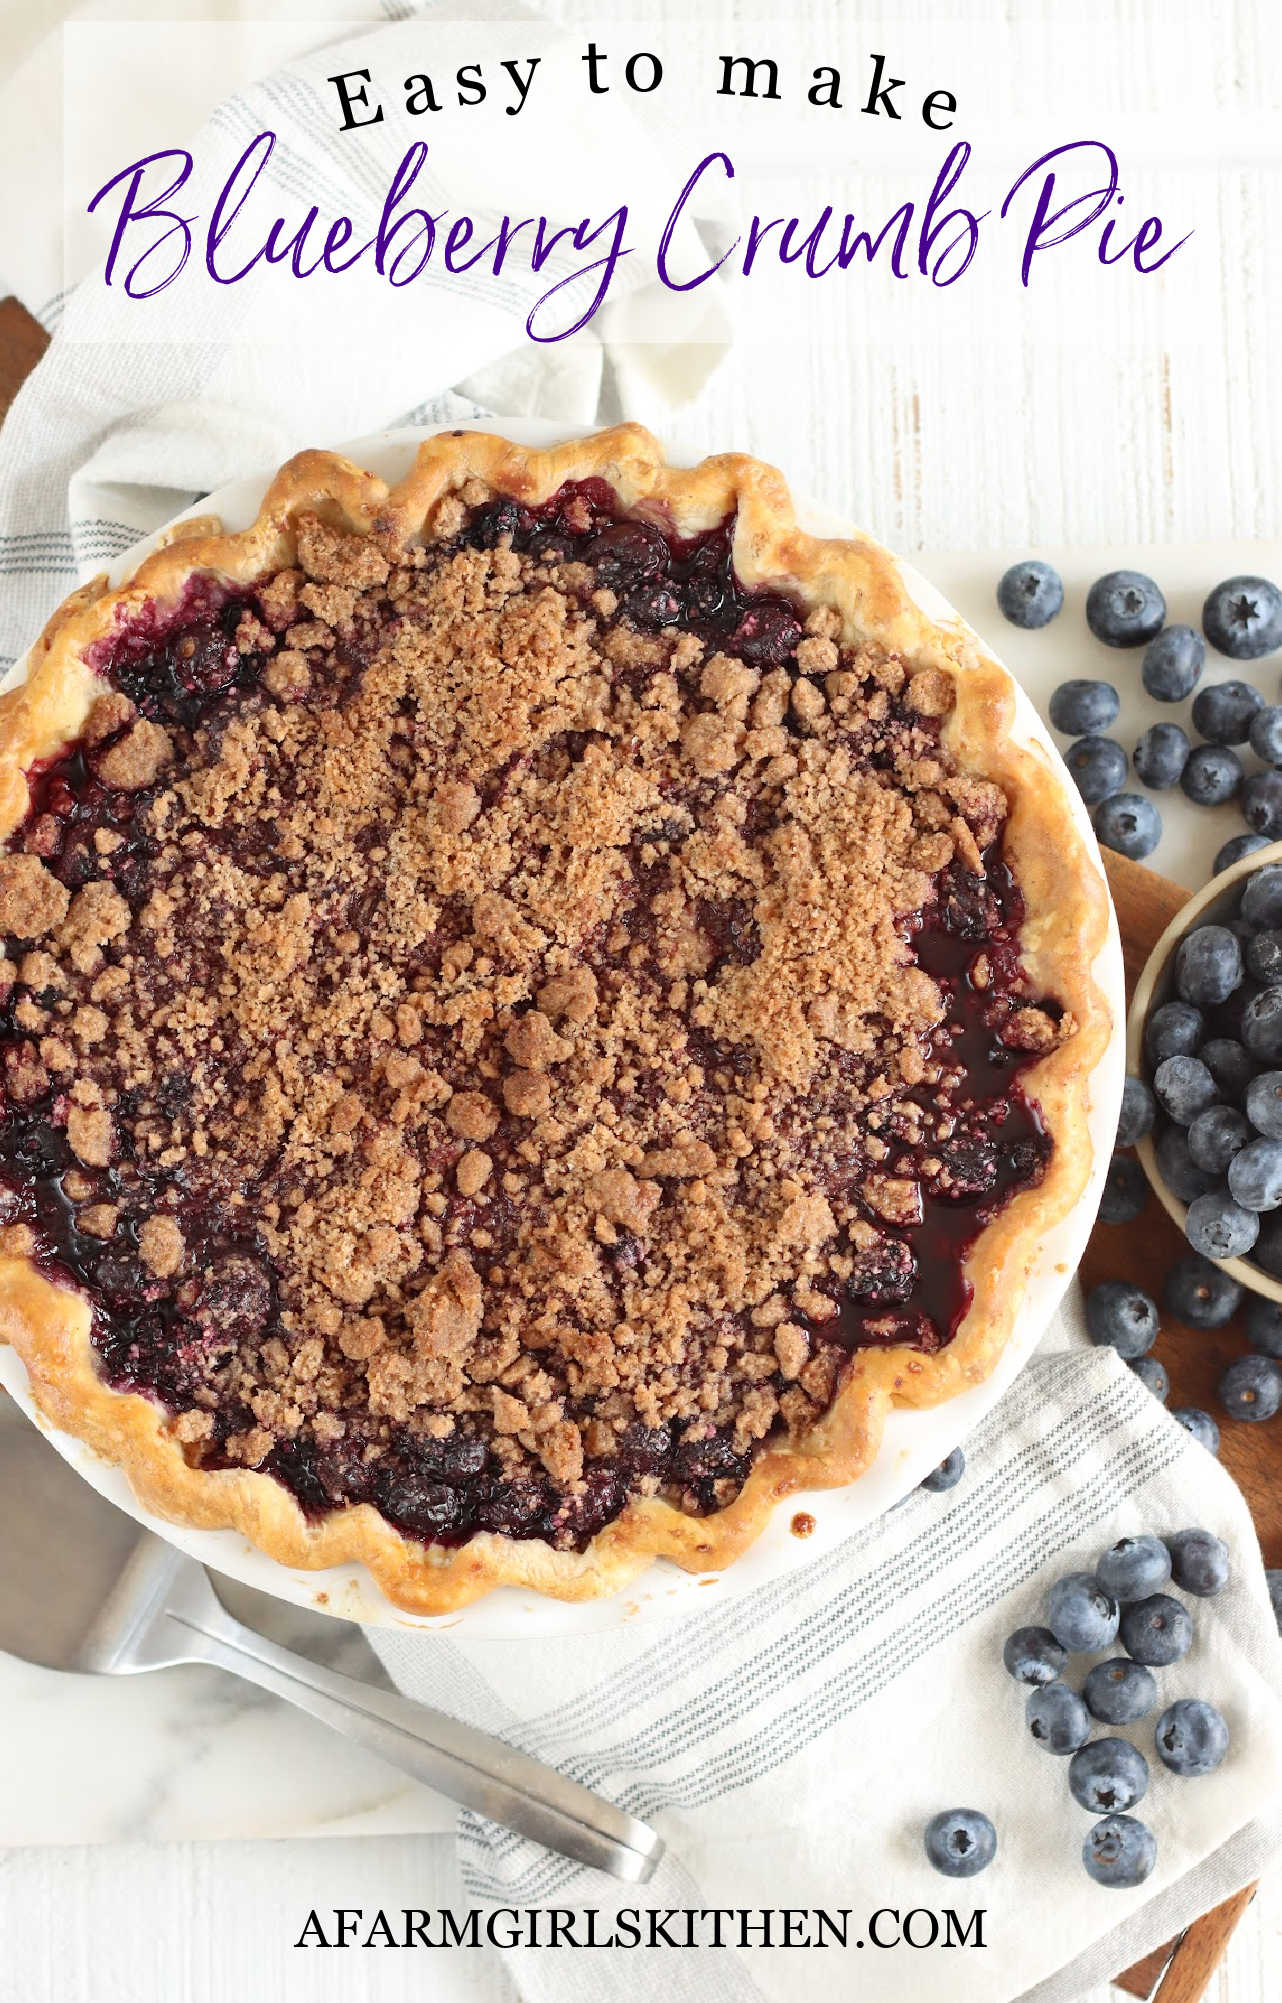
[(483, 1025)]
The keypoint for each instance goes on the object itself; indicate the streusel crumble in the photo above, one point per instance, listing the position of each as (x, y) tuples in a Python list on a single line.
[(494, 1025)]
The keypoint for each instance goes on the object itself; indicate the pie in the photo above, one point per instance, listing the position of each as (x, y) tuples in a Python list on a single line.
[(539, 1004)]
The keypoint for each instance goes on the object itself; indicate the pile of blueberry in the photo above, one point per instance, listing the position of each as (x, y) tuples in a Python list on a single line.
[(1242, 620), (1086, 1613)]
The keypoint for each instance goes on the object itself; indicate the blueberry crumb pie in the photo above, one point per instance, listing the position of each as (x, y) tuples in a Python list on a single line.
[(537, 1005)]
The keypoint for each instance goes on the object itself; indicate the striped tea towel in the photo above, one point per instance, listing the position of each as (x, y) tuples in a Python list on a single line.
[(791, 1744)]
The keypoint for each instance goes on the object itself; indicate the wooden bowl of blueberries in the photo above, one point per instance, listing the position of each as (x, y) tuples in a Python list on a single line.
[(1203, 1102)]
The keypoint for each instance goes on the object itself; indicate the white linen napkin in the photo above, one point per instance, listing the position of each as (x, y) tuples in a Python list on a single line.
[(791, 1744)]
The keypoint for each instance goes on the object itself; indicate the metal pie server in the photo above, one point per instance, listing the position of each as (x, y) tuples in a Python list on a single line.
[(83, 1588)]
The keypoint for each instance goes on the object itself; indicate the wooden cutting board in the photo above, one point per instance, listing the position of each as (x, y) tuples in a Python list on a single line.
[(1146, 902)]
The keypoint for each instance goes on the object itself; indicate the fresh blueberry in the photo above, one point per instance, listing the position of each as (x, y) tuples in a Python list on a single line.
[(1030, 594), (1274, 1582), (960, 1842), (947, 1474), (1156, 1631), (1191, 1737), (1262, 804), (1251, 1388), (1242, 618), (1124, 608), (1200, 1424), (1161, 755), (1121, 1317), (1234, 849), (1208, 965), (1177, 1168), (1231, 1015), (1032, 1655), (1173, 1030), (1262, 897), (1262, 1024), (1107, 1776), (1134, 1567), (1098, 766), (1264, 1104), (1219, 1228), (1080, 1614), (1223, 711), (1172, 663), (1080, 709), (1212, 775), (1268, 1246), (1229, 1063), (1262, 1321), (1264, 957), (1184, 1088), (1199, 1563), (1139, 1110), (1120, 1691), (1120, 1852), (1216, 1135), (1153, 1377), (1057, 1718), (1255, 1175), (1266, 734), (1199, 1294), (1125, 1191), (1128, 824)]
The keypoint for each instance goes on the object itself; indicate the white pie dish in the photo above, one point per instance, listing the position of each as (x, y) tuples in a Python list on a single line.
[(915, 1441)]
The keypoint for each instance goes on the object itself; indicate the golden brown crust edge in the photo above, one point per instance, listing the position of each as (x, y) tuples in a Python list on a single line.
[(1062, 886)]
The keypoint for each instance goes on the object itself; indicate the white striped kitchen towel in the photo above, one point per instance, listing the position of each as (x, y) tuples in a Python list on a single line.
[(791, 1743)]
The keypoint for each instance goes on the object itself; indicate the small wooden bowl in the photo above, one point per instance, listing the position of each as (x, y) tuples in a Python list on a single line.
[(1209, 907)]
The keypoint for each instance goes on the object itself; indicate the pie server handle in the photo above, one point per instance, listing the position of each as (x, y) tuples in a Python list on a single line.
[(470, 1766)]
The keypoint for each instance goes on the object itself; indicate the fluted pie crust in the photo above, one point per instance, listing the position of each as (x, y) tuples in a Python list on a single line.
[(1064, 899)]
